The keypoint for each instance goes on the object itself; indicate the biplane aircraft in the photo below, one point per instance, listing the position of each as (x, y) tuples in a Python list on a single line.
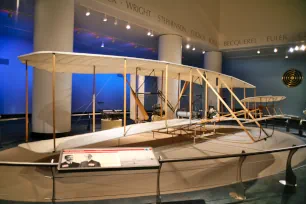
[(105, 64)]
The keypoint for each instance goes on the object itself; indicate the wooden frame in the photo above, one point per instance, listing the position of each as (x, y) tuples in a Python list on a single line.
[(27, 104), (166, 97), (226, 106), (190, 94), (53, 100), (247, 110), (94, 100), (124, 97), (206, 97), (161, 100)]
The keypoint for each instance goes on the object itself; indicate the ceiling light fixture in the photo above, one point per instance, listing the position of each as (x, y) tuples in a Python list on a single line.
[(187, 46), (128, 26), (258, 51), (291, 49), (275, 50), (105, 18), (296, 48), (203, 52), (116, 21), (149, 33), (193, 49), (286, 56), (87, 12), (152, 35), (302, 47)]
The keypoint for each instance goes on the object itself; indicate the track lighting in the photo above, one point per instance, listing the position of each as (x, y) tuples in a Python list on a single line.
[(87, 12), (149, 33), (187, 46), (105, 18), (152, 35), (275, 50)]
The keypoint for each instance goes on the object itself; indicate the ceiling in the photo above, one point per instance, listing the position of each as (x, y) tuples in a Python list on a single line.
[(90, 32)]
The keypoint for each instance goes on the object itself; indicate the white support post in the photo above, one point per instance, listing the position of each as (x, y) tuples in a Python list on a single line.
[(94, 100), (206, 98), (190, 95), (53, 100), (124, 98), (166, 97), (27, 104)]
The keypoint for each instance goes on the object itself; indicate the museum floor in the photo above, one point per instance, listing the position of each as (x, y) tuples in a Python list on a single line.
[(261, 190)]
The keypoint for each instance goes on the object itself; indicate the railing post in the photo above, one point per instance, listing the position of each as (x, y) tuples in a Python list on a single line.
[(240, 189), (53, 186), (290, 183), (301, 127), (158, 197), (287, 125)]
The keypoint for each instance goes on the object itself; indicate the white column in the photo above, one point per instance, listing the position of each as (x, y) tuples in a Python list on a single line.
[(213, 62), (170, 50), (53, 31)]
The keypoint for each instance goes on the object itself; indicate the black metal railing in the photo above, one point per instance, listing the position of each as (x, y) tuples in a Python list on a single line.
[(290, 176)]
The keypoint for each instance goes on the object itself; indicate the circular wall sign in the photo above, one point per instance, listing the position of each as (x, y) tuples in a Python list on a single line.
[(292, 78)]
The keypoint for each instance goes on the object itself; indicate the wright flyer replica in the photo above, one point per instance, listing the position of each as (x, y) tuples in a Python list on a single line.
[(105, 64)]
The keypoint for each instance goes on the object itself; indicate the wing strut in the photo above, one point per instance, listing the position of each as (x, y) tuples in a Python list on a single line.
[(226, 106)]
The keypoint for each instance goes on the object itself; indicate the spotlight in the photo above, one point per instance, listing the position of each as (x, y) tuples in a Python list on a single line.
[(116, 21), (87, 12), (275, 50), (286, 56), (302, 47), (105, 18), (187, 46), (102, 45), (291, 49), (149, 33), (258, 51), (193, 49), (203, 52), (152, 35), (128, 26), (296, 48)]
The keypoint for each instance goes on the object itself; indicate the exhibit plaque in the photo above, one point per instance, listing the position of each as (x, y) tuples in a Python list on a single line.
[(107, 158)]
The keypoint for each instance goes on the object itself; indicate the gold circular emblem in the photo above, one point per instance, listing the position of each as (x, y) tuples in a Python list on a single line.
[(292, 78)]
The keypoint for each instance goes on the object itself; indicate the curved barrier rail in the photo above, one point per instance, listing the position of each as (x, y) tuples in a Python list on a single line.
[(290, 181)]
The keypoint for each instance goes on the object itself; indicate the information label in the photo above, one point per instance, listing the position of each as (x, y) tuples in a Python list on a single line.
[(107, 158)]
